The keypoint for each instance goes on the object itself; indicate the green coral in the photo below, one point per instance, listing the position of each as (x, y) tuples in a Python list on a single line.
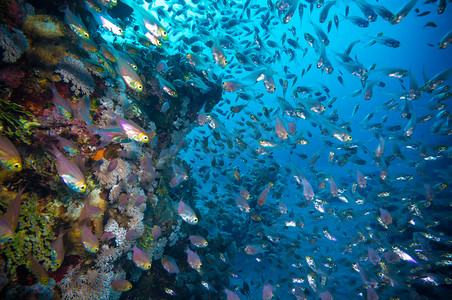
[(161, 189), (146, 239), (16, 122), (34, 236)]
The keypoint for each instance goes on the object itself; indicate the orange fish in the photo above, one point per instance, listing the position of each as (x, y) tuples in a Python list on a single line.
[(263, 196), (98, 155)]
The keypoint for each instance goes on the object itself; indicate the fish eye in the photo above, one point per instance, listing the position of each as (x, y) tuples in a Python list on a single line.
[(145, 138), (95, 249), (82, 188), (139, 87), (16, 166)]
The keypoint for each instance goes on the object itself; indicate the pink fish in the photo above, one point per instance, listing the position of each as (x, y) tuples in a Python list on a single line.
[(69, 172), (89, 212), (333, 188), (391, 257), (202, 116), (198, 241), (121, 285), (292, 128), (384, 169), (6, 231), (253, 250), (325, 295), (269, 82), (263, 196), (9, 156), (133, 131), (363, 273), (89, 240), (141, 259), (140, 200), (373, 255), (169, 264), (64, 107), (156, 232), (380, 148), (361, 180), (230, 295), (179, 176), (13, 211), (146, 166), (131, 235), (371, 293), (129, 75), (123, 198), (282, 207), (244, 193), (57, 254), (429, 192), (67, 145), (193, 259), (162, 67), (187, 213), (242, 204), (106, 236), (39, 271), (385, 216), (307, 190), (218, 54), (83, 108), (267, 292), (280, 129)]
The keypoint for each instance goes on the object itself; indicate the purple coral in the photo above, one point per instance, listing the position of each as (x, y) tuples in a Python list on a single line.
[(13, 42), (72, 70)]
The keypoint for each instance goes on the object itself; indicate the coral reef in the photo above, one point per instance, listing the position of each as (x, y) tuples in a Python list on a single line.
[(13, 42), (43, 26), (16, 122), (73, 71), (41, 51), (92, 284), (34, 235)]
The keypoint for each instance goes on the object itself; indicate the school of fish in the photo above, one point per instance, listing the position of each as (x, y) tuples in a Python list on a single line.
[(327, 162)]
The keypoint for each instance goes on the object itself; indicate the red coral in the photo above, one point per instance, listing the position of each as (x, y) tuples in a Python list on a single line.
[(69, 261), (11, 13), (12, 76)]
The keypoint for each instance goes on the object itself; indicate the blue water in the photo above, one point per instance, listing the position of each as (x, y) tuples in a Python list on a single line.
[(278, 265)]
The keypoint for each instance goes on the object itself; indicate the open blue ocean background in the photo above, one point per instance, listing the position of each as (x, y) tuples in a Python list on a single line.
[(278, 266)]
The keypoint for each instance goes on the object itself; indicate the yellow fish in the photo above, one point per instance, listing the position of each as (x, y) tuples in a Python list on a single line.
[(9, 156), (129, 75)]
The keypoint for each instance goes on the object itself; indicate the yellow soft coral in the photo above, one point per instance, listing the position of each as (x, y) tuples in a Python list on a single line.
[(43, 26), (34, 234)]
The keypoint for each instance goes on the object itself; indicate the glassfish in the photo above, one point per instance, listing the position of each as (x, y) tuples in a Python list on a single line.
[(70, 173), (9, 156)]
